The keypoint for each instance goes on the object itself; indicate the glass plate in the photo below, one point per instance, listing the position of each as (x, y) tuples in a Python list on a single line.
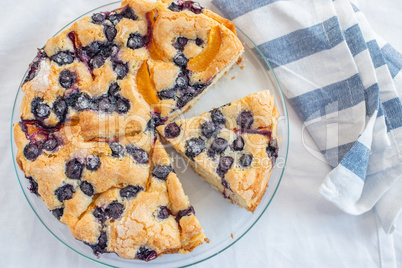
[(223, 223)]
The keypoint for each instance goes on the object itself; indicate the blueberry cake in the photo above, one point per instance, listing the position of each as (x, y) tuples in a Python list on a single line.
[(92, 99), (233, 147), (111, 71)]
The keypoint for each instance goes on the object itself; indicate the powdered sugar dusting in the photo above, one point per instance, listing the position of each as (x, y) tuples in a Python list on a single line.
[(41, 80)]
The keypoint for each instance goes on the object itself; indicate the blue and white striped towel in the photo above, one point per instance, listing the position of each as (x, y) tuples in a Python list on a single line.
[(345, 83)]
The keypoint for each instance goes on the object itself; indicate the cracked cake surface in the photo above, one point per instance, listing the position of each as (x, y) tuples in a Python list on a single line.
[(233, 147), (92, 99)]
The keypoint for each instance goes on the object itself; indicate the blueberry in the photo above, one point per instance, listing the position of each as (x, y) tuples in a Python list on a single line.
[(128, 13), (63, 58), (99, 214), (87, 188), (64, 192), (161, 171), (60, 108), (117, 149), (139, 155), (39, 109), (74, 169), (172, 131), (130, 191), (238, 144), (182, 80), (175, 7), (101, 246), (217, 117), (121, 69), (113, 89), (71, 99), (156, 120), (97, 62), (272, 150), (180, 60), (245, 119), (194, 147), (167, 93), (208, 129), (93, 49), (58, 212), (225, 163), (246, 160), (31, 151), (93, 162), (67, 78), (183, 100), (83, 102), (33, 70), (115, 18), (146, 254), (180, 43), (135, 41), (163, 213), (50, 143), (199, 41), (185, 212), (110, 32), (33, 188), (218, 146), (98, 18), (114, 210), (105, 105), (122, 105)]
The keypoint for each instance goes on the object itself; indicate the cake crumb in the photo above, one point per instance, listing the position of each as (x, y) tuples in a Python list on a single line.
[(240, 60), (241, 67), (233, 77), (231, 235)]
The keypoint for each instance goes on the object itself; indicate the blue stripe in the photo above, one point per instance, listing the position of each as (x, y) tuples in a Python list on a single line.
[(303, 42), (233, 9), (355, 40), (375, 53), (393, 113), (316, 103), (355, 8), (393, 59), (371, 95), (335, 155), (356, 160), (380, 110)]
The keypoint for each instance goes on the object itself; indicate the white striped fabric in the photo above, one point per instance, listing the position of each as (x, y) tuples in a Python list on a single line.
[(345, 83)]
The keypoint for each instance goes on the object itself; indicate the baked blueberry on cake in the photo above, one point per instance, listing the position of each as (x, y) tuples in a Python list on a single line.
[(92, 99), (233, 147)]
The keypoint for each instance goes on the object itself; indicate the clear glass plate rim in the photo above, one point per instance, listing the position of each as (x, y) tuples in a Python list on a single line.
[(262, 56)]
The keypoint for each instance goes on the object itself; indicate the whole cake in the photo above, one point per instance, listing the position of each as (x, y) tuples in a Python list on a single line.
[(92, 99)]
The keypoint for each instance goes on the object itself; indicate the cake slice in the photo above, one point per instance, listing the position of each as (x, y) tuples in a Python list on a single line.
[(233, 147), (143, 222)]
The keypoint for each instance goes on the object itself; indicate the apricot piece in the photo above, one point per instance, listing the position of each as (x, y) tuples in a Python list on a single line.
[(144, 85), (203, 60)]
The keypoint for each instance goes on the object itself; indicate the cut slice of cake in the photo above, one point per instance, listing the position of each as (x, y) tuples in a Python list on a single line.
[(233, 147), (143, 221)]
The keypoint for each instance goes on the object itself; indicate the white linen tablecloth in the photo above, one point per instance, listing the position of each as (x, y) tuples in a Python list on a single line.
[(299, 229)]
